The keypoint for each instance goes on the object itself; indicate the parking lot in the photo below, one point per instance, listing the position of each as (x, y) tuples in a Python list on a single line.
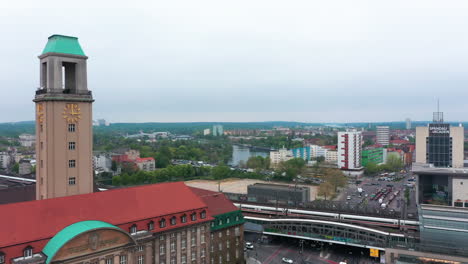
[(382, 193)]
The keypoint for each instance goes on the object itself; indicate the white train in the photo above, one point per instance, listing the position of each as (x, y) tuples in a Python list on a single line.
[(380, 221)]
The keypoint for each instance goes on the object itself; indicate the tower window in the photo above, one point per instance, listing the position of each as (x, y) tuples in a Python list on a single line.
[(71, 145), (42, 145), (71, 181), (42, 127), (42, 164), (71, 127), (71, 164)]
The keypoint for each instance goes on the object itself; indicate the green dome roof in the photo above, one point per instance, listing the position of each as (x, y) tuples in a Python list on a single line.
[(70, 232), (63, 44)]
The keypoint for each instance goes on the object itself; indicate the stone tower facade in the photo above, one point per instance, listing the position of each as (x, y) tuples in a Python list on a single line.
[(63, 121)]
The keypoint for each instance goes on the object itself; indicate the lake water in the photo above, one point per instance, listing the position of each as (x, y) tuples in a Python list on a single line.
[(241, 153)]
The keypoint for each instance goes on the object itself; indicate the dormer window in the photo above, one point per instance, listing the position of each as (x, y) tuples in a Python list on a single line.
[(28, 252), (133, 229), (183, 219), (151, 225), (173, 220), (203, 215), (193, 217), (162, 223)]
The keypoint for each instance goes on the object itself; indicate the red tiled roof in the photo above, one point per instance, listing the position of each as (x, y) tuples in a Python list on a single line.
[(399, 141), (217, 202), (42, 219), (331, 147), (144, 159)]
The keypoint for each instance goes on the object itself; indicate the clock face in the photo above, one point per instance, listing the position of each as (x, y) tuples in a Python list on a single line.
[(72, 113), (40, 113)]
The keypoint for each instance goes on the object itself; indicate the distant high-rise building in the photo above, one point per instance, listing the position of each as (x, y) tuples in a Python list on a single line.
[(349, 150), (383, 135), (218, 130), (206, 132), (408, 123)]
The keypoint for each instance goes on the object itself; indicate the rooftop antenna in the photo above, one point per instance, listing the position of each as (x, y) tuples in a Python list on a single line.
[(438, 117)]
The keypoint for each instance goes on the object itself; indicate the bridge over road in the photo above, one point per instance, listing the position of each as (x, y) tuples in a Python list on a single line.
[(329, 231)]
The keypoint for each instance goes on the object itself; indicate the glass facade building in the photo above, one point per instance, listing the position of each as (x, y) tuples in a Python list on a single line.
[(439, 145)]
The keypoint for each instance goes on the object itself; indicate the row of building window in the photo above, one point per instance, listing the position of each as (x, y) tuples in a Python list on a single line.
[(228, 258), (173, 221), (227, 221)]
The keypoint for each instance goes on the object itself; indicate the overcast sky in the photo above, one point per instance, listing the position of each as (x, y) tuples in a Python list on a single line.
[(253, 60)]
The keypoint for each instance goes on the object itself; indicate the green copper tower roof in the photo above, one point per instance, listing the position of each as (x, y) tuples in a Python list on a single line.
[(63, 44), (70, 232)]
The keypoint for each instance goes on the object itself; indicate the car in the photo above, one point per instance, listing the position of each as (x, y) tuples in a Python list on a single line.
[(348, 198), (249, 245), (287, 260)]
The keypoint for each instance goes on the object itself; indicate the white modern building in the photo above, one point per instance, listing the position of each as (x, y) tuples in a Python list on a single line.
[(280, 155), (27, 140), (102, 162), (206, 132), (318, 151), (383, 135), (349, 150), (5, 160), (331, 156)]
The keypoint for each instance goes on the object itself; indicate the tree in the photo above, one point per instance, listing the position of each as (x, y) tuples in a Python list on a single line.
[(394, 162), (15, 168), (116, 180), (371, 168), (326, 190), (336, 178), (220, 172), (290, 169)]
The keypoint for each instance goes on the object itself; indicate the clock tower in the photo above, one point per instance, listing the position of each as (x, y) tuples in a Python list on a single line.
[(64, 139)]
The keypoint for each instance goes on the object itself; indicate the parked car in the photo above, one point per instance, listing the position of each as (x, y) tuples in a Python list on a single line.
[(287, 260), (249, 245)]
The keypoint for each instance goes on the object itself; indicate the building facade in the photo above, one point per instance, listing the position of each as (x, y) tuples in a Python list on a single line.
[(278, 193), (349, 150), (331, 156), (177, 232), (63, 107), (383, 135), (27, 140), (374, 155), (5, 160), (440, 144), (226, 230), (281, 155)]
